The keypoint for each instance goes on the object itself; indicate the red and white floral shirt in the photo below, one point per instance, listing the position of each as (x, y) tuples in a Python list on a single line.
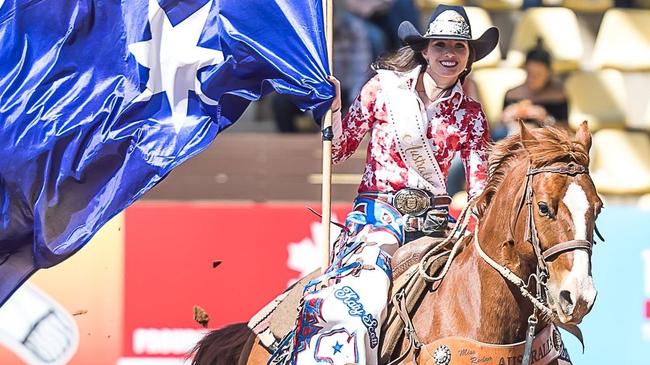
[(456, 124)]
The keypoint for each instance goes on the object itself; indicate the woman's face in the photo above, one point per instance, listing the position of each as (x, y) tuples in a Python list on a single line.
[(447, 58), (537, 75)]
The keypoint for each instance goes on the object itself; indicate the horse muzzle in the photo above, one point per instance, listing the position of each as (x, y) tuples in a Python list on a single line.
[(575, 300)]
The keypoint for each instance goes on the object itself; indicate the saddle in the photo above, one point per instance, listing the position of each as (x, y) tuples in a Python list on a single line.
[(278, 318)]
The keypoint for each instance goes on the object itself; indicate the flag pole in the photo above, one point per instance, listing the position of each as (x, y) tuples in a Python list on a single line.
[(328, 11)]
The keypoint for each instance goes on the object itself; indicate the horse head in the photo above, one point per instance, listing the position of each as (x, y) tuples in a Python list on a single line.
[(543, 175)]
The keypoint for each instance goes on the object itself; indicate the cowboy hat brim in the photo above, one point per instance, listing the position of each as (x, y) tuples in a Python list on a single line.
[(482, 45)]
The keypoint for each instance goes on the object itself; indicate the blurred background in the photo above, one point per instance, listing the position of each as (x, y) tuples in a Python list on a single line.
[(229, 229)]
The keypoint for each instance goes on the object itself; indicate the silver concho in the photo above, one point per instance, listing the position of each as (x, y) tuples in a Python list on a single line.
[(412, 201), (442, 355)]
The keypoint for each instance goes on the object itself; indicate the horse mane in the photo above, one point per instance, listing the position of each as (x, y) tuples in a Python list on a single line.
[(224, 346), (550, 145)]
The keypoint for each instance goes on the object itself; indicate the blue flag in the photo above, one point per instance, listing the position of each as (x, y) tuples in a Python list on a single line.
[(100, 99)]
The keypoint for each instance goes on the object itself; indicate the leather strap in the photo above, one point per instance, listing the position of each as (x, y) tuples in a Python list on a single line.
[(399, 301), (571, 169), (547, 347), (567, 246), (435, 200)]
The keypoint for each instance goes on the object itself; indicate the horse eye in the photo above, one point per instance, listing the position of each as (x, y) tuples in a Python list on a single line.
[(543, 209)]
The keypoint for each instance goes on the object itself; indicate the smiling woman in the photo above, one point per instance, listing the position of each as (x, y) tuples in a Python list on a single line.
[(418, 118), (446, 59)]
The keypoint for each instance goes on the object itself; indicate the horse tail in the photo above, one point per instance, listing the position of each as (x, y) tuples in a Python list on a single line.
[(224, 346)]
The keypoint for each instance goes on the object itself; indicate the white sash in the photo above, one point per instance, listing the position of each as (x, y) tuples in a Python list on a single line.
[(409, 123)]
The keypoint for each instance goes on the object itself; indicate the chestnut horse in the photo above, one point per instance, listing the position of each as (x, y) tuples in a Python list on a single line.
[(536, 219)]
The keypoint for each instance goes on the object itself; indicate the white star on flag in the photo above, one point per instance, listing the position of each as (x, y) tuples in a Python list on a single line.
[(173, 59)]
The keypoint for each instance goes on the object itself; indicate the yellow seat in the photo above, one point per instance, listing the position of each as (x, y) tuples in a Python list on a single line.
[(597, 97), (480, 20), (429, 5), (620, 162), (558, 28), (492, 85), (646, 118), (588, 6), (637, 100), (500, 4), (623, 40)]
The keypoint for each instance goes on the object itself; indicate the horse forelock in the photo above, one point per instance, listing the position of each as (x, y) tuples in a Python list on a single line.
[(551, 145)]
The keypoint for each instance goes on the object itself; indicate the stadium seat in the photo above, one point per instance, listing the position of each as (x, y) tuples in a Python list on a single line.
[(428, 5), (497, 5), (597, 97), (588, 6), (637, 101), (559, 30), (492, 84), (620, 162), (623, 40), (480, 20), (646, 118)]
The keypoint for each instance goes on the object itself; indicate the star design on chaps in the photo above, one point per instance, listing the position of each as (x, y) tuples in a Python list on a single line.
[(173, 59), (337, 348)]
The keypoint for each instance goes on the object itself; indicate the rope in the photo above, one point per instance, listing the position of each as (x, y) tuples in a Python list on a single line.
[(459, 229), (516, 280)]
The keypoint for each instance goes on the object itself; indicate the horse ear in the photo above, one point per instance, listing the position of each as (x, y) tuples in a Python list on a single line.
[(583, 136), (527, 138)]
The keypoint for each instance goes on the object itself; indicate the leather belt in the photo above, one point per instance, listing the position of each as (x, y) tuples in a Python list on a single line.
[(421, 210), (409, 201)]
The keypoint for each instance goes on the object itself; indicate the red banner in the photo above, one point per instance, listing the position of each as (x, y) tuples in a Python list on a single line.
[(171, 253)]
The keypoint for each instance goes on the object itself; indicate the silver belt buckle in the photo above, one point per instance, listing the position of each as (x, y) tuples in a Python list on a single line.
[(413, 202)]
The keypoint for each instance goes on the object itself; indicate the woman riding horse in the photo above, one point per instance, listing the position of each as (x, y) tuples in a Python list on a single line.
[(418, 118), (528, 262)]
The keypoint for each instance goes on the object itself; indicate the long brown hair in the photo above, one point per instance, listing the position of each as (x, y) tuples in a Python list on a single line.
[(410, 56), (403, 59)]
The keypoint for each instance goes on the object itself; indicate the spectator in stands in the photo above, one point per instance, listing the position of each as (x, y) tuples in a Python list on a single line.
[(387, 16), (539, 101)]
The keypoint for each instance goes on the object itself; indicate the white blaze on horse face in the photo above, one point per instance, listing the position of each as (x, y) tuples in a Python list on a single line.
[(579, 282)]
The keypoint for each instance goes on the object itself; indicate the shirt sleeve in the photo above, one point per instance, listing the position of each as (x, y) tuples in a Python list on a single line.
[(474, 154), (349, 131)]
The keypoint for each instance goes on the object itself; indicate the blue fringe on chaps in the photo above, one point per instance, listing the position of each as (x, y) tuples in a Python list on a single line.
[(342, 311)]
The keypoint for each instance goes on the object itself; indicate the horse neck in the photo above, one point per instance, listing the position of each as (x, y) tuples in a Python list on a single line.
[(474, 300), (501, 236)]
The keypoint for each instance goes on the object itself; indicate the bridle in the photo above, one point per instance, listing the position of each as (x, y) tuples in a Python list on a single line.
[(541, 275), (531, 235)]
